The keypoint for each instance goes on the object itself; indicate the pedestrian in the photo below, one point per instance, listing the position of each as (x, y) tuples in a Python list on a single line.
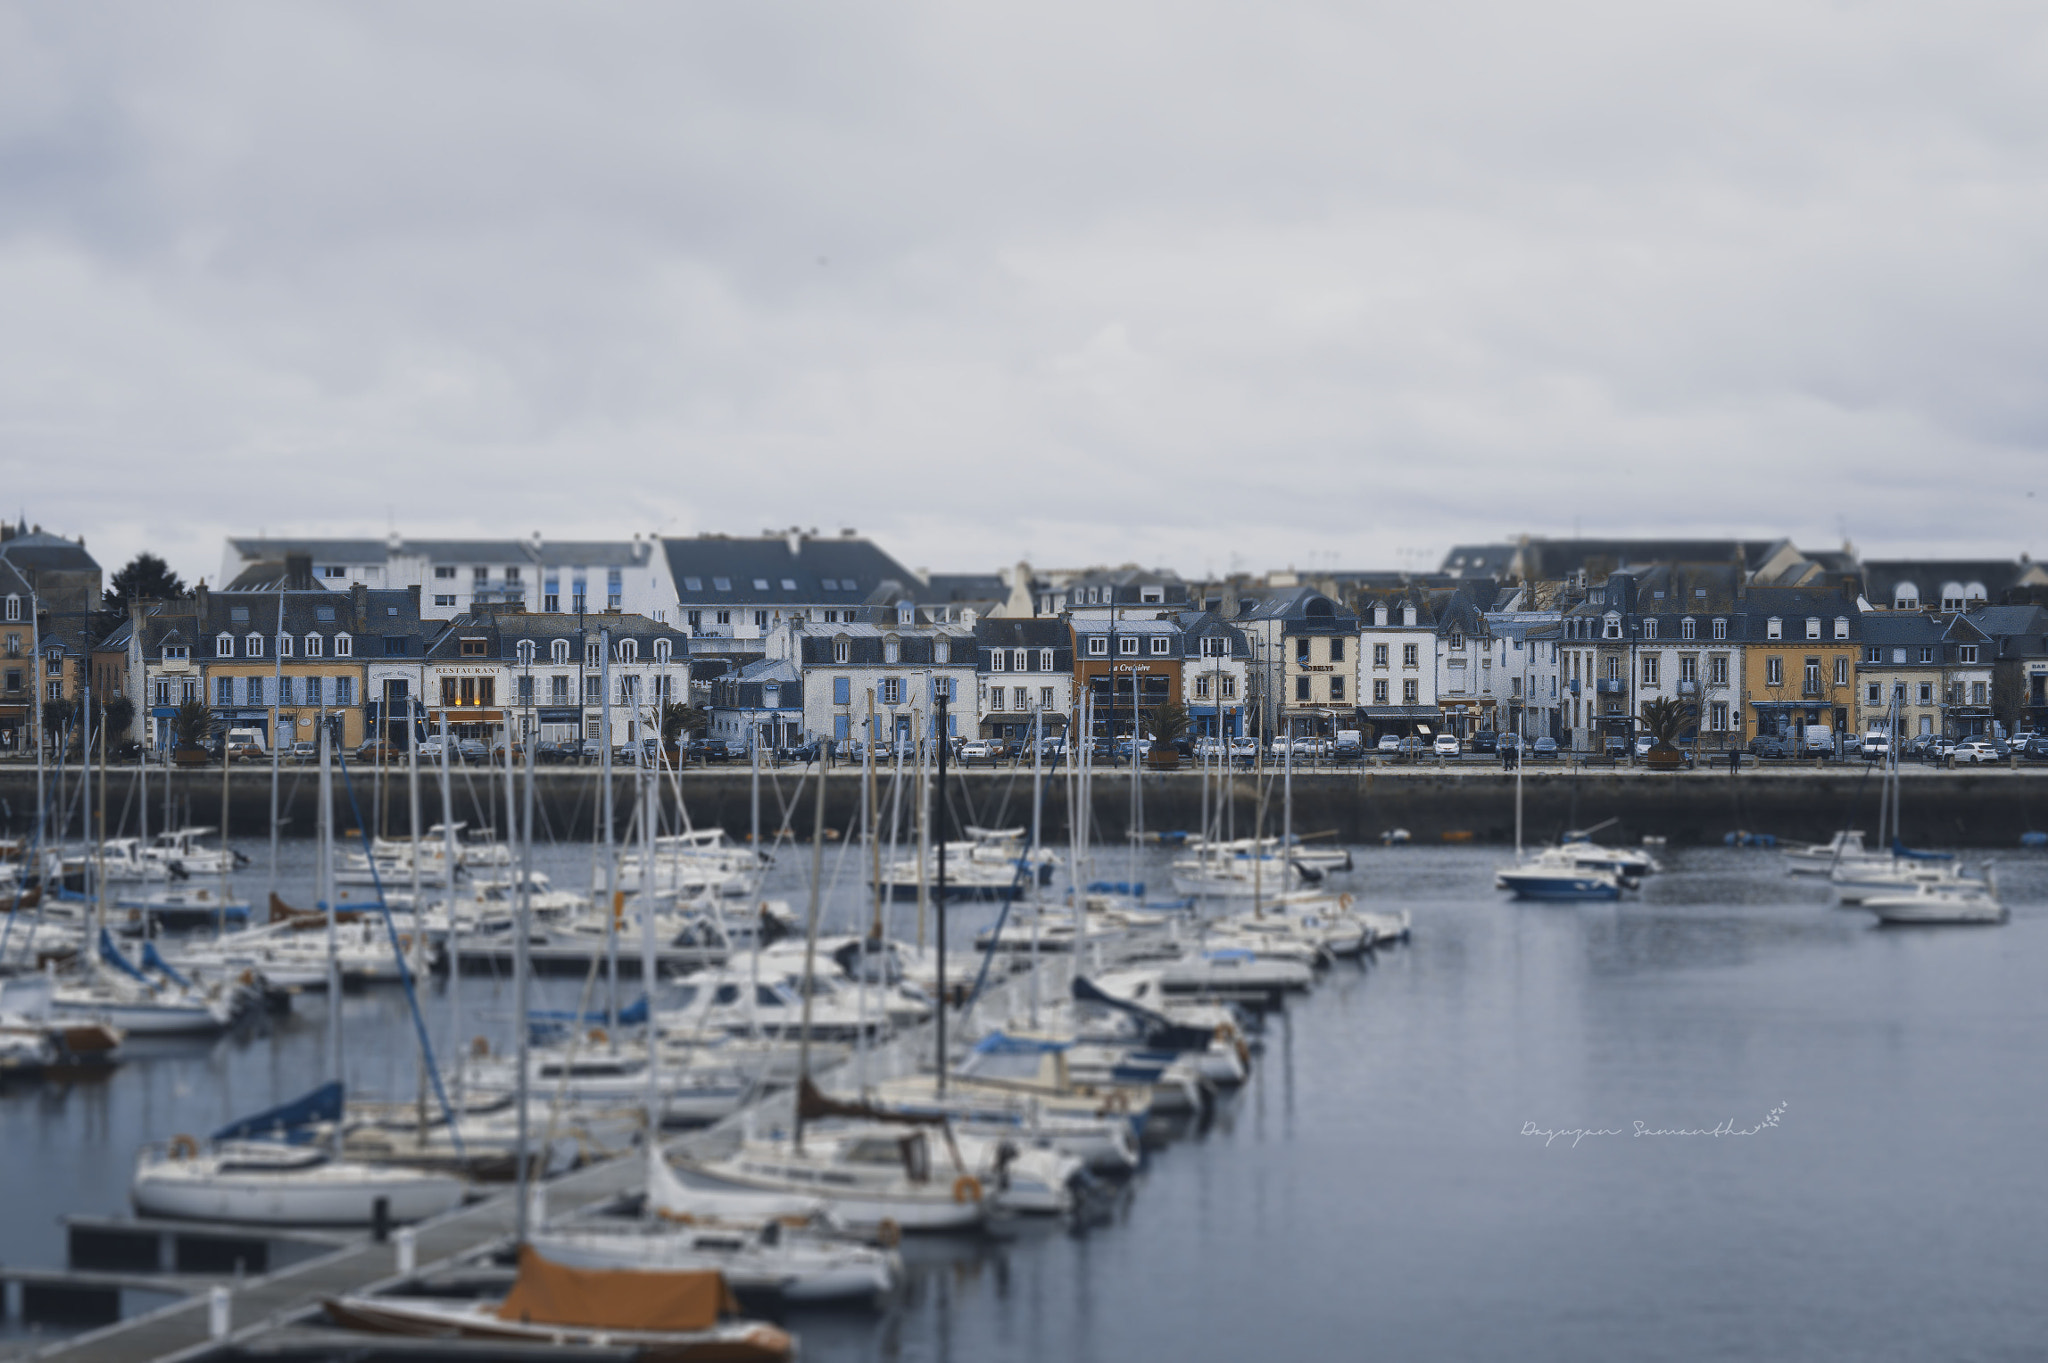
[(1735, 761)]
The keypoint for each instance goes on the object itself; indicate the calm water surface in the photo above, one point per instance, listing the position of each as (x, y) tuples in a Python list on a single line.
[(1371, 1189)]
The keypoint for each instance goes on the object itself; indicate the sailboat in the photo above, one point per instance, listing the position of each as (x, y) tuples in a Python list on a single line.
[(1554, 874)]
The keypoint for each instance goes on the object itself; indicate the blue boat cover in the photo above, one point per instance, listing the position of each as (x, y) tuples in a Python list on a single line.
[(1002, 1043), (111, 954), (1900, 849), (323, 1104), (155, 961)]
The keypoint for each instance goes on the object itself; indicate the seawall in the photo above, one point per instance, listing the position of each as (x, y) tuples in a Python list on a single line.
[(1948, 808)]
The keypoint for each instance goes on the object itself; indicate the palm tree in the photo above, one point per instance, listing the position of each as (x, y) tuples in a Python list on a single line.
[(1168, 722), (1664, 719), (679, 718), (191, 724)]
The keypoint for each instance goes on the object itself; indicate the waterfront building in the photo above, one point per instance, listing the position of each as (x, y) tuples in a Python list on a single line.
[(1116, 593), (19, 660), (57, 585), (732, 593), (455, 576), (1675, 632), (2019, 669), (229, 651), (1304, 665), (1800, 646), (888, 647), (759, 705), (1397, 662), (1216, 675), (1906, 660), (1128, 661), (1530, 640), (1024, 676), (545, 675)]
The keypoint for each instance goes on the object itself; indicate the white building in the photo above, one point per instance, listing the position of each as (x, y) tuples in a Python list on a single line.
[(904, 661), (553, 677)]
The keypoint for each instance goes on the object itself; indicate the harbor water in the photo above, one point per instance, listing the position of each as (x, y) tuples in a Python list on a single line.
[(1722, 1118)]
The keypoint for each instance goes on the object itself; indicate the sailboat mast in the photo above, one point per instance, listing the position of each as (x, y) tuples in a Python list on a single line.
[(648, 963), (326, 883), (1031, 859), (939, 816), (453, 931), (611, 861), (276, 746), (803, 1045), (419, 910), (522, 971)]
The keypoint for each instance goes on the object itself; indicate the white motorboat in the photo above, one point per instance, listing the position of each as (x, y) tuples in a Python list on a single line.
[(128, 859), (1821, 858), (592, 1075), (1553, 874), (1235, 974), (1939, 904), (268, 1183), (1627, 863), (1861, 881), (184, 855)]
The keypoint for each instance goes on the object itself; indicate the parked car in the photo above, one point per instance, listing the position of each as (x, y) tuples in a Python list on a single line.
[(980, 750), (472, 750), (429, 749), (1445, 745), (1875, 745), (1940, 750), (1486, 740), (1976, 750), (803, 752), (713, 750), (1644, 743), (305, 751), (1508, 742), (1415, 747), (1917, 746), (1545, 746), (372, 751), (1614, 745), (2037, 746), (1389, 743), (1769, 745), (550, 752), (1347, 750)]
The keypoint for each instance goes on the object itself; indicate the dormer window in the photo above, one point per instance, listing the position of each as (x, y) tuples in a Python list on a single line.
[(1720, 628), (942, 650), (1160, 643), (1774, 628), (1650, 626), (998, 659), (177, 653), (592, 656), (1966, 653), (1045, 660), (224, 646), (471, 648), (1457, 641), (629, 650), (1152, 596), (1841, 627), (284, 645), (313, 649), (906, 613), (558, 652), (13, 607), (344, 647), (1128, 645), (842, 649), (253, 646), (1688, 628), (1098, 646), (892, 649), (1613, 627), (662, 649), (1813, 627), (525, 652)]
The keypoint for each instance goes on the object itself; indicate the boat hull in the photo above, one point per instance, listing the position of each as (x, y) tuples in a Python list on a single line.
[(195, 1193)]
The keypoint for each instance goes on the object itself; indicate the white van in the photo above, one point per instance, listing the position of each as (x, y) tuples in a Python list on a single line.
[(1876, 744), (241, 742), (1819, 738)]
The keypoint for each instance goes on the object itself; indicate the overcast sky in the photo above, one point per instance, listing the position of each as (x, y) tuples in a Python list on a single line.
[(1192, 284)]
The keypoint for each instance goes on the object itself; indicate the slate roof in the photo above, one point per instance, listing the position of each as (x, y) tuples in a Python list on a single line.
[(1304, 610), (1881, 577), (506, 628), (754, 571), (45, 552)]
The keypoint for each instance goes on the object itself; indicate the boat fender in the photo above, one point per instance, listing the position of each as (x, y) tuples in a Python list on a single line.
[(480, 1046), (1344, 901), (888, 1234), (184, 1147), (598, 1036), (967, 1188)]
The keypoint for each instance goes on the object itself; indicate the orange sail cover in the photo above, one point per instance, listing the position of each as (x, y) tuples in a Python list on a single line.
[(548, 1293)]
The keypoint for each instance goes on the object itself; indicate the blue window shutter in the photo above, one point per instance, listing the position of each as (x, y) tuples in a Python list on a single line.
[(841, 727), (952, 726), (842, 692)]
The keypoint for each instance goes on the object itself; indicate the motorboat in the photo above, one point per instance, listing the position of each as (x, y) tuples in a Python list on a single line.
[(182, 852), (1821, 858), (1587, 855), (1860, 881), (1239, 877), (1928, 904), (1554, 875), (590, 1073), (661, 1315), (128, 859), (182, 906), (868, 1174), (1235, 974)]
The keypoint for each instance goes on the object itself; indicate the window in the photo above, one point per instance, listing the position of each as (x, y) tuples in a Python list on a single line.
[(629, 692), (1720, 629), (1409, 691), (614, 590), (223, 691), (14, 608), (1689, 668), (558, 652), (1301, 650), (842, 727), (224, 646), (592, 654), (1229, 687), (313, 689), (579, 594), (394, 645), (663, 649), (1873, 655), (1301, 691), (343, 646), (892, 649), (1379, 655), (629, 650), (1614, 669), (1873, 694), (1841, 671), (1045, 698), (1774, 672), (724, 617), (1720, 716), (1813, 627), (474, 648), (558, 689), (593, 690), (942, 650), (1379, 692), (551, 594), (525, 652), (1201, 686), (944, 687), (1650, 627), (1336, 650), (253, 646), (256, 691), (892, 690), (1688, 628), (345, 690), (1457, 640), (842, 690), (444, 573), (1841, 627), (444, 600), (1927, 693), (1408, 655), (1336, 688), (1977, 693), (526, 690), (1159, 645), (1098, 646), (1927, 653), (998, 660), (1650, 669), (1612, 628), (334, 570), (761, 621), (1813, 676), (1128, 644), (1966, 653)]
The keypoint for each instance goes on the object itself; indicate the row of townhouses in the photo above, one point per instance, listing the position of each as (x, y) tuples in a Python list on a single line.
[(791, 636)]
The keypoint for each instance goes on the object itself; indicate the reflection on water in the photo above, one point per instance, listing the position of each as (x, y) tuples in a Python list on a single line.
[(1369, 1190)]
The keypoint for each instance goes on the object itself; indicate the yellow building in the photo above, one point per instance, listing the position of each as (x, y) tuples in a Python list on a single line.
[(1799, 655)]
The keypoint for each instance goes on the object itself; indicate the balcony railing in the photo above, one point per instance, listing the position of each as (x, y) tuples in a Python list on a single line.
[(1610, 686)]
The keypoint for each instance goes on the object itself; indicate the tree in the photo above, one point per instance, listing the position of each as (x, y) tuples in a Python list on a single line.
[(117, 714), (192, 724), (678, 718), (1168, 721), (146, 578), (1664, 719)]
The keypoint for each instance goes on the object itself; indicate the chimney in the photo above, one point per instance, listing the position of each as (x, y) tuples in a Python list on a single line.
[(359, 599), (796, 542), (199, 598)]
